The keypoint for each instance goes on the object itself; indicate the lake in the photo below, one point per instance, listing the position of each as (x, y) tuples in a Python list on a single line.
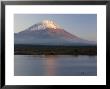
[(55, 65)]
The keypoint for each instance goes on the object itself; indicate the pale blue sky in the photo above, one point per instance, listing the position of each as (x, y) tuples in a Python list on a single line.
[(82, 25)]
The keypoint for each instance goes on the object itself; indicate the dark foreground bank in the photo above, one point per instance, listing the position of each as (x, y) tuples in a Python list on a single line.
[(54, 50)]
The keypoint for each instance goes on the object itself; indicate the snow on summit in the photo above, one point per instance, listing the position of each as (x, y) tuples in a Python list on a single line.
[(50, 24), (45, 24)]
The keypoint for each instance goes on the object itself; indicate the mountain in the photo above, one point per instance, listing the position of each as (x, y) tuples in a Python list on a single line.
[(48, 32)]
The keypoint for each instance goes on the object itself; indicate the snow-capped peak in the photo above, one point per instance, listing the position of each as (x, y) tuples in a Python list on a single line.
[(45, 24), (50, 24)]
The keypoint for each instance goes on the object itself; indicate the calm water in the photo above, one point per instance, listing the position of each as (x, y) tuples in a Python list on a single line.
[(55, 65)]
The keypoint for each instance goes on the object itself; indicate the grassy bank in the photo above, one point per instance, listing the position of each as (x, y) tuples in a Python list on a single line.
[(54, 50)]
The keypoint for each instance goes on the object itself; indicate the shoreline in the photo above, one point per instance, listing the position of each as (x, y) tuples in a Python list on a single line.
[(54, 50)]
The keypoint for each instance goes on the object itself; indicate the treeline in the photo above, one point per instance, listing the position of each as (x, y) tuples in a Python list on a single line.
[(54, 50)]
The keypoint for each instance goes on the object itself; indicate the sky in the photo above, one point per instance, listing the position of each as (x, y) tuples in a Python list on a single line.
[(81, 25)]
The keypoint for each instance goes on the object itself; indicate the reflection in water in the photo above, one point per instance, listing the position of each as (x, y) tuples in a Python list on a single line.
[(50, 65), (55, 65)]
